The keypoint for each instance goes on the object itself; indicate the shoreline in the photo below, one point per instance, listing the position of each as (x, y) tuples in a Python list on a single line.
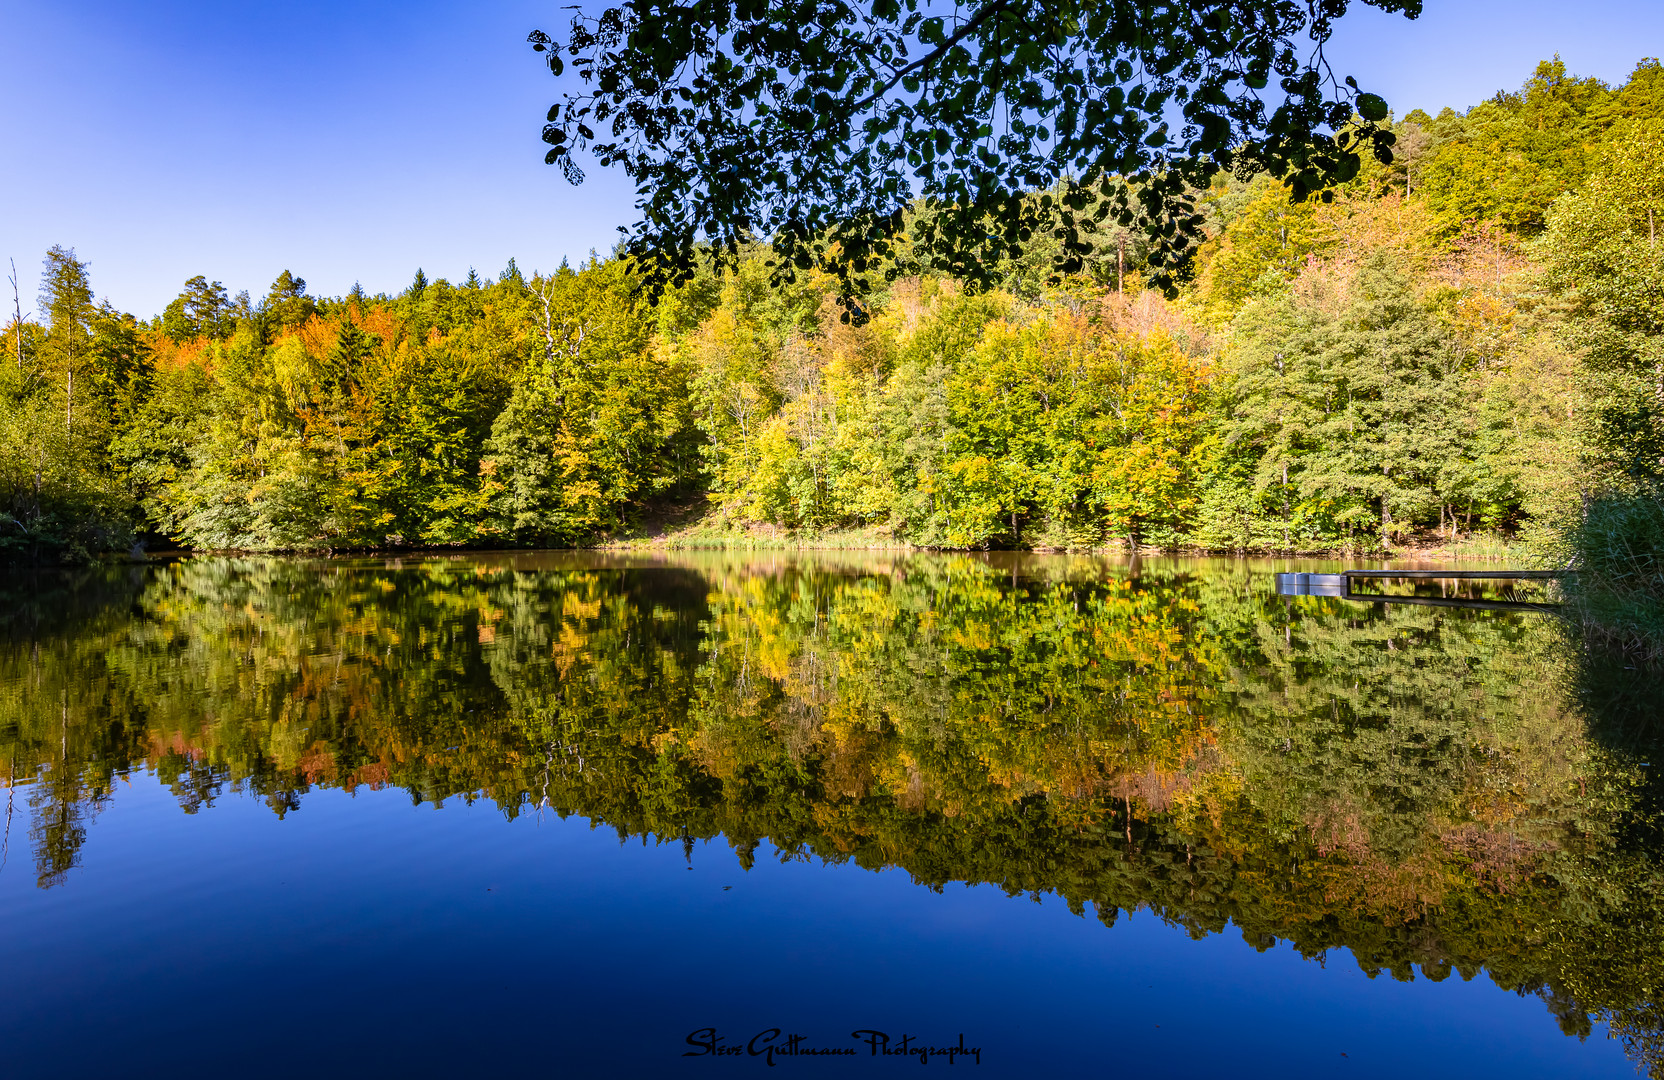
[(1480, 549)]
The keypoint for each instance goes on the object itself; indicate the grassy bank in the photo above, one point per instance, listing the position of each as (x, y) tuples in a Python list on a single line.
[(711, 532), (693, 528)]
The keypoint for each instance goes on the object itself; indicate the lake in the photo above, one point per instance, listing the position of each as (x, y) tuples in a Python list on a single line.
[(837, 814)]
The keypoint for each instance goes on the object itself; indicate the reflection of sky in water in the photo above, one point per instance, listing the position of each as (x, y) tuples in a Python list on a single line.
[(1425, 785), (364, 936)]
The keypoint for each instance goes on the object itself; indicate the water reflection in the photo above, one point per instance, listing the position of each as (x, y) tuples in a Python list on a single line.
[(1434, 790)]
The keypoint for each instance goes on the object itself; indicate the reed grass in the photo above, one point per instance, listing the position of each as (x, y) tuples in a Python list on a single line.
[(1618, 593), (711, 534), (1489, 547)]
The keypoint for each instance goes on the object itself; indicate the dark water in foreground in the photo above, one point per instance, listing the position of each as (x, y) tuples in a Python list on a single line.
[(558, 815)]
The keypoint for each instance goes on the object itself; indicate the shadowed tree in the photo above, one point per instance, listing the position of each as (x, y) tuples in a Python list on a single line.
[(819, 125)]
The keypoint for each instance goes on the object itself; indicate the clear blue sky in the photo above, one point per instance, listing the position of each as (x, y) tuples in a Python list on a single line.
[(355, 140)]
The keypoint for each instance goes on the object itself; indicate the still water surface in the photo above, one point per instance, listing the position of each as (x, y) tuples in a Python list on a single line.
[(570, 815)]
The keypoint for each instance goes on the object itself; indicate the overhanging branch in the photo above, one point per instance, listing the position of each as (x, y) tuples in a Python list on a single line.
[(941, 50)]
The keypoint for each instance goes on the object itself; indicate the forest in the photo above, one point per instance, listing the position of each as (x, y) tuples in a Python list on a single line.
[(1464, 343)]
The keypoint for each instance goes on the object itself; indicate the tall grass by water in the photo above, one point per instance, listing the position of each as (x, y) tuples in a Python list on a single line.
[(1618, 594)]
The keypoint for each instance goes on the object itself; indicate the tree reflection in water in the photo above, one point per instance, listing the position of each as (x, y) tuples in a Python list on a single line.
[(1432, 790)]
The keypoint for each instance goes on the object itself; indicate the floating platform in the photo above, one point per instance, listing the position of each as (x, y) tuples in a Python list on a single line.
[(1340, 585), (1312, 585)]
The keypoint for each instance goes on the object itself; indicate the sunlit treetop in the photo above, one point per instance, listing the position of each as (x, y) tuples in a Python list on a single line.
[(818, 125)]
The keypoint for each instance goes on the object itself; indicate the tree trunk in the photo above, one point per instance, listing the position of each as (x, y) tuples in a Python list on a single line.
[(17, 318), (1386, 514), (1286, 543)]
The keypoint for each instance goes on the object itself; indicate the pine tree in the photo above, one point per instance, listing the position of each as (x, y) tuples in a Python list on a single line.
[(287, 304)]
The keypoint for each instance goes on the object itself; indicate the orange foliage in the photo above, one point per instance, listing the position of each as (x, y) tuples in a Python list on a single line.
[(376, 774), (319, 336), (170, 355), (175, 743), (377, 320), (318, 763)]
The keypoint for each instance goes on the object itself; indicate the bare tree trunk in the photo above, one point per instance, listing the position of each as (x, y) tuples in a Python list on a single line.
[(69, 406), (11, 790), (1386, 514), (543, 290), (1121, 266), (1286, 544), (17, 316)]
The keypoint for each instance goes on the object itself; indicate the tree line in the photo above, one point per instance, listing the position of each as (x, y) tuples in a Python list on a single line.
[(1466, 339)]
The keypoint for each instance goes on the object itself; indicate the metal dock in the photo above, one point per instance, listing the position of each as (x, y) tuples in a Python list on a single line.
[(1341, 585)]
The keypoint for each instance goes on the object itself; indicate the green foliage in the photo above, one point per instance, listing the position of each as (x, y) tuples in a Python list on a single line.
[(287, 304), (56, 504), (66, 300), (1345, 425), (951, 420), (201, 310), (1509, 158), (1621, 542), (1262, 247), (1618, 548), (817, 127), (64, 388), (596, 424), (1605, 259), (1604, 252)]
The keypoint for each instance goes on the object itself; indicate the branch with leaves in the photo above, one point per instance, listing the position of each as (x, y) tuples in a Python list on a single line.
[(901, 136)]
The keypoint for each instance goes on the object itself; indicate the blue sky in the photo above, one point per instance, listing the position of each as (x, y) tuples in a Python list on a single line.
[(355, 141)]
